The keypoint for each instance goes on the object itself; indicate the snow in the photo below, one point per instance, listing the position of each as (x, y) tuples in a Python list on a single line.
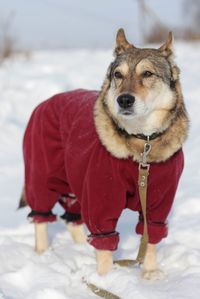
[(58, 273)]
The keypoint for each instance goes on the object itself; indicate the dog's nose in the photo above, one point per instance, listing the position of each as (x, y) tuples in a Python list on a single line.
[(125, 101)]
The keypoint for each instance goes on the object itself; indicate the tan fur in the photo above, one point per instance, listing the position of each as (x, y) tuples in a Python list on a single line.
[(41, 237), (104, 261), (140, 87), (150, 268), (167, 47), (144, 65), (123, 68), (77, 232), (121, 42)]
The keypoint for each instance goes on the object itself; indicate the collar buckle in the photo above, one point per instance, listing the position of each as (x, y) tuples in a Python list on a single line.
[(146, 150)]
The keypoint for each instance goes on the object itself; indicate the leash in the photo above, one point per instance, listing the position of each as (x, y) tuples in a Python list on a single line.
[(142, 185), (100, 292)]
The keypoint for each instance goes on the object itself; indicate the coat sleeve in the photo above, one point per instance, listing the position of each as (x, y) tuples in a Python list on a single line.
[(163, 183), (103, 200)]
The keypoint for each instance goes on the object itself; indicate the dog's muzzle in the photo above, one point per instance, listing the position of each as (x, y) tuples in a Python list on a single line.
[(125, 102)]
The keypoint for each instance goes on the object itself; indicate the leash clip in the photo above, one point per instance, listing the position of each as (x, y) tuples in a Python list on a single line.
[(147, 148)]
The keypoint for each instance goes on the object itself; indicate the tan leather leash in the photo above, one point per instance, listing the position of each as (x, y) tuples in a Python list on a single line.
[(142, 184)]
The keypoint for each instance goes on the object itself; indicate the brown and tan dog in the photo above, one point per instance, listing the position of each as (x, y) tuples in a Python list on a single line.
[(141, 97)]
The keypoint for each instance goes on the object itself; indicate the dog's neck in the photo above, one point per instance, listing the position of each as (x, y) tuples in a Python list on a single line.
[(149, 126), (142, 136), (142, 127), (146, 125)]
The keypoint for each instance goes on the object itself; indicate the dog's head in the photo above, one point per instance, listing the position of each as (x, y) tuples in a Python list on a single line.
[(141, 81)]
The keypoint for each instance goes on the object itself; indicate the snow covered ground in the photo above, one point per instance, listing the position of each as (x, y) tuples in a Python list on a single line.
[(57, 274)]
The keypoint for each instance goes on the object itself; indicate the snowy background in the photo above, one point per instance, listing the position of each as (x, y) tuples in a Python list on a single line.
[(44, 24), (57, 274)]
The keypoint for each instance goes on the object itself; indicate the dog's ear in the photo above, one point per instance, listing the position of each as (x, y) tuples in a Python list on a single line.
[(168, 47), (121, 42)]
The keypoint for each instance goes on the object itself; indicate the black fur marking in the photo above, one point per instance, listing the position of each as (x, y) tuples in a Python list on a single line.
[(22, 203), (38, 213), (172, 84), (70, 217), (113, 65)]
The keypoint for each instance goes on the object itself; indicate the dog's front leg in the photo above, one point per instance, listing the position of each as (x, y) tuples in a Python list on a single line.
[(104, 261), (41, 237), (150, 268)]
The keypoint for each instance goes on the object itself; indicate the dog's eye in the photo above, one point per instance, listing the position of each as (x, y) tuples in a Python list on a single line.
[(147, 74), (118, 75)]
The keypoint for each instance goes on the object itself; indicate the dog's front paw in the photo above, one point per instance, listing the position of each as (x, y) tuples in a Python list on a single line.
[(104, 261), (40, 250), (104, 268), (156, 274)]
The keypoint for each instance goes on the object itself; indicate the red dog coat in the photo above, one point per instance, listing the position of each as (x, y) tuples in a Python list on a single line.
[(64, 155)]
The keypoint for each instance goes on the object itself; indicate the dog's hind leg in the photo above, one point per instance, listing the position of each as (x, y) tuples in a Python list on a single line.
[(41, 237), (77, 232), (150, 268), (72, 217)]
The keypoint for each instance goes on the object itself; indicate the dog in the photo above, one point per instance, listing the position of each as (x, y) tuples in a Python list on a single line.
[(82, 149)]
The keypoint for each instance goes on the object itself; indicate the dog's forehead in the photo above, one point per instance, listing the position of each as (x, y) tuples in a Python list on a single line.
[(133, 57)]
